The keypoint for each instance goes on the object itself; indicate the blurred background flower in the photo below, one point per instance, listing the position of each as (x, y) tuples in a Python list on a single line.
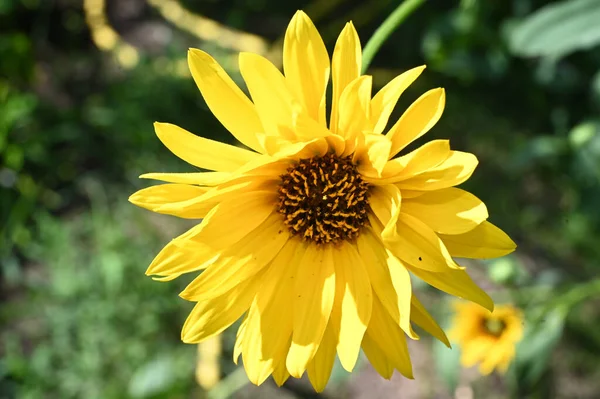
[(81, 83), (487, 338)]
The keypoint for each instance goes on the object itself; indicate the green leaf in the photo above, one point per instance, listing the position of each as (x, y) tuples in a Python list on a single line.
[(447, 364), (558, 29), (152, 378), (534, 351)]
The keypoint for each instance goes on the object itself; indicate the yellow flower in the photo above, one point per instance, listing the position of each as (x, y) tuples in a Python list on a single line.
[(310, 234), (488, 338)]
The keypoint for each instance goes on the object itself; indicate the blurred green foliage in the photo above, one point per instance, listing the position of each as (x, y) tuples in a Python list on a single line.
[(523, 83)]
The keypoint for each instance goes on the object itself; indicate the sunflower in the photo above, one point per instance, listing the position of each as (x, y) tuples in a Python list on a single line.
[(485, 337), (309, 234)]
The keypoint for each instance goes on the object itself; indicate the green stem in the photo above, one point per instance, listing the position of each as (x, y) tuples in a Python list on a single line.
[(386, 28), (229, 385)]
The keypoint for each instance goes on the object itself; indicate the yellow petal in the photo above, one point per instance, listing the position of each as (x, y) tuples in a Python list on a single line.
[(456, 169), (373, 159), (182, 255), (314, 293), (319, 368), (306, 65), (401, 282), (385, 100), (345, 67), (421, 317), (394, 293), (195, 178), (412, 193), (417, 120), (307, 129), (232, 189), (385, 202), (235, 218), (389, 338), (378, 358), (477, 349), (457, 283), (355, 293), (354, 107), (427, 156), (166, 199), (269, 325), (447, 211), (303, 149), (493, 358), (240, 262), (271, 94), (483, 242), (416, 244), (239, 338), (280, 375), (224, 98), (201, 152), (213, 316)]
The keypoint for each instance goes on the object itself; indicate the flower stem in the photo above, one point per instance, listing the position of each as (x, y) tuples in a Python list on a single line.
[(386, 28)]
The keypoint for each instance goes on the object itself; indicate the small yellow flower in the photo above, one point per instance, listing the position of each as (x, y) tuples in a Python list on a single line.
[(488, 338), (310, 235)]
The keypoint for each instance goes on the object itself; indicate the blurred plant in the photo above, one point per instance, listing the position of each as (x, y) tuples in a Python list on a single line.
[(89, 317)]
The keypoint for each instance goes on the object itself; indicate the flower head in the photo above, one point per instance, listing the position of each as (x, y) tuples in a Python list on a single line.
[(311, 233), (485, 337)]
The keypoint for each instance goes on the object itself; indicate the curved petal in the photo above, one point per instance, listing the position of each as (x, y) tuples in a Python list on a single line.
[(272, 97), (201, 152), (428, 156), (307, 129), (345, 68), (354, 290), (447, 211), (231, 220), (457, 283), (389, 338), (240, 262), (302, 149), (194, 178), (390, 282), (417, 120), (456, 169), (314, 293), (378, 357), (483, 242), (199, 206), (421, 317), (353, 112), (280, 375), (269, 326), (239, 338), (320, 367), (171, 199), (385, 100), (225, 99), (416, 244), (213, 316), (385, 202), (373, 159), (182, 255), (306, 65)]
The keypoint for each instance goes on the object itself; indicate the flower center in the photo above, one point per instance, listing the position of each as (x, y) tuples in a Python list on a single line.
[(494, 327), (324, 199)]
